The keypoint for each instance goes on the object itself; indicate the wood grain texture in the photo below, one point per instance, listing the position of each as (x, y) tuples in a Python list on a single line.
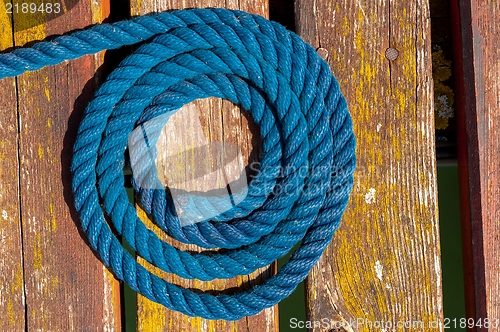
[(384, 261), (195, 125), (66, 286), (11, 260), (477, 72)]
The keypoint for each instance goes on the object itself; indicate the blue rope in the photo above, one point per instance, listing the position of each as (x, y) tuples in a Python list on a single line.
[(303, 121)]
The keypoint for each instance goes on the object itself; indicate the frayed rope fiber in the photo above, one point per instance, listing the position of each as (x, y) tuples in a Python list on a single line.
[(304, 124)]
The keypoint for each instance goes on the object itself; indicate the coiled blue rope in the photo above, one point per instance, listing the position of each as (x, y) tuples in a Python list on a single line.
[(303, 120)]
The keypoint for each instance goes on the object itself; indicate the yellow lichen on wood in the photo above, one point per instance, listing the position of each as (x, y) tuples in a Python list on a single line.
[(10, 311), (34, 33), (373, 271), (53, 220), (37, 252), (53, 249), (40, 151), (46, 89), (5, 27)]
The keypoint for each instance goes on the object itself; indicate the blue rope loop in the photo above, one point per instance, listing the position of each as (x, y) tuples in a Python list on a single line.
[(303, 120)]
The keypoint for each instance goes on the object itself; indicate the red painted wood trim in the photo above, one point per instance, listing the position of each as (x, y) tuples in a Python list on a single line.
[(468, 160)]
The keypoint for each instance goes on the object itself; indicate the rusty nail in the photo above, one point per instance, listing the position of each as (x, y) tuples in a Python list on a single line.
[(322, 52), (391, 53)]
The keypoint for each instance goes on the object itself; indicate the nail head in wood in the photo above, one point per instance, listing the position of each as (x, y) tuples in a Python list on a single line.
[(391, 53), (322, 52)]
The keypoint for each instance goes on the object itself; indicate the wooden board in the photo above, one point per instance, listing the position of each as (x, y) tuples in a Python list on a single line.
[(384, 261), (11, 261), (211, 120), (477, 69), (66, 288)]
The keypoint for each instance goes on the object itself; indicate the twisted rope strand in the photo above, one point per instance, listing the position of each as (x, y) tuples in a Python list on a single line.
[(200, 53)]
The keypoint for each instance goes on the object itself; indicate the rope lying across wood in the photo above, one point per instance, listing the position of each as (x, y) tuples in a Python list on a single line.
[(303, 120)]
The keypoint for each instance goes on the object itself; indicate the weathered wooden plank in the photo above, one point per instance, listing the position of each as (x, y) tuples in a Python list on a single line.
[(205, 121), (67, 288), (477, 72), (384, 262), (11, 261)]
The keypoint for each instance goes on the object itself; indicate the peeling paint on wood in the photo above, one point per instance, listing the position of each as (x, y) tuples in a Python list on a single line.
[(384, 261)]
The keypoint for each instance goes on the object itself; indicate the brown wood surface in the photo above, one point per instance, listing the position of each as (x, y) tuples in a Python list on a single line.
[(202, 122), (66, 288), (477, 58), (11, 260), (384, 261)]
